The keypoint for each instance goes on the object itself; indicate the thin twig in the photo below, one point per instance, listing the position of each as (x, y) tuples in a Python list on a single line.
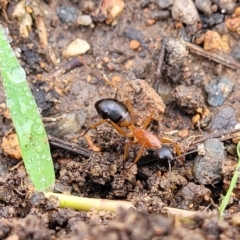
[(217, 135), (68, 66), (223, 136), (222, 59), (71, 147), (159, 67)]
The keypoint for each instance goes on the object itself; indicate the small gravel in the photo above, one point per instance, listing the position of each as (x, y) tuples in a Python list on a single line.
[(185, 11), (226, 6), (224, 119), (218, 91), (163, 4), (207, 169), (67, 15), (204, 6)]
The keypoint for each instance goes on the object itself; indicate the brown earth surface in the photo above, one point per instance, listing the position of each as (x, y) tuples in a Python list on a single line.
[(178, 204)]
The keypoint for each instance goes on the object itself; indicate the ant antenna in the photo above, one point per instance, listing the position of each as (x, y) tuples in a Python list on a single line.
[(99, 75), (169, 174), (185, 154)]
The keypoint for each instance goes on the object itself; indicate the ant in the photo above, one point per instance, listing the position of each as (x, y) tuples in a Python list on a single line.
[(121, 116)]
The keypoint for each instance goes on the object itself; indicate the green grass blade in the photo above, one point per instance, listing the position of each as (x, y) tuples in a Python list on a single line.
[(26, 118), (233, 183)]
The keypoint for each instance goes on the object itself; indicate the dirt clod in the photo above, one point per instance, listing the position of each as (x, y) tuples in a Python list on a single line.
[(192, 196), (144, 100), (190, 98)]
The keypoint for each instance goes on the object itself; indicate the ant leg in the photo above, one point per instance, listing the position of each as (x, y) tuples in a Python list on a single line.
[(120, 130), (94, 126), (165, 140), (127, 144), (147, 120), (138, 156), (126, 147), (130, 108), (117, 128), (176, 147), (178, 152)]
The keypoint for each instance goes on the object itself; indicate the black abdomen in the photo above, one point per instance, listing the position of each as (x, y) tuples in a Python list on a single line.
[(110, 108)]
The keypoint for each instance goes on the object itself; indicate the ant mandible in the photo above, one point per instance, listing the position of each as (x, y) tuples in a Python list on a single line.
[(121, 116)]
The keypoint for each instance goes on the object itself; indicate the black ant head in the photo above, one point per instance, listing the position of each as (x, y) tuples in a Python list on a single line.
[(165, 155)]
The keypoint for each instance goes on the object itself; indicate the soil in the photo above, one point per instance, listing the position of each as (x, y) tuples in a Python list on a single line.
[(181, 113)]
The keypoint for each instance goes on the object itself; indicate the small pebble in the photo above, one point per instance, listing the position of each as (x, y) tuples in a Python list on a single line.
[(67, 124), (164, 90), (231, 147), (87, 6), (185, 11), (192, 29), (133, 34), (106, 60), (221, 28), (214, 42), (175, 51), (192, 195), (134, 45), (163, 4), (204, 6), (224, 119), (143, 71), (142, 54), (233, 24), (213, 19), (226, 6), (10, 146), (236, 138), (160, 14), (67, 15), (237, 11), (76, 47), (214, 8), (110, 66), (84, 20), (207, 169), (218, 91), (235, 219), (189, 98), (150, 22)]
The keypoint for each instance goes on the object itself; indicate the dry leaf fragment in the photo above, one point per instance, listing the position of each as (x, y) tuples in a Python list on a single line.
[(3, 6), (24, 19), (25, 26)]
